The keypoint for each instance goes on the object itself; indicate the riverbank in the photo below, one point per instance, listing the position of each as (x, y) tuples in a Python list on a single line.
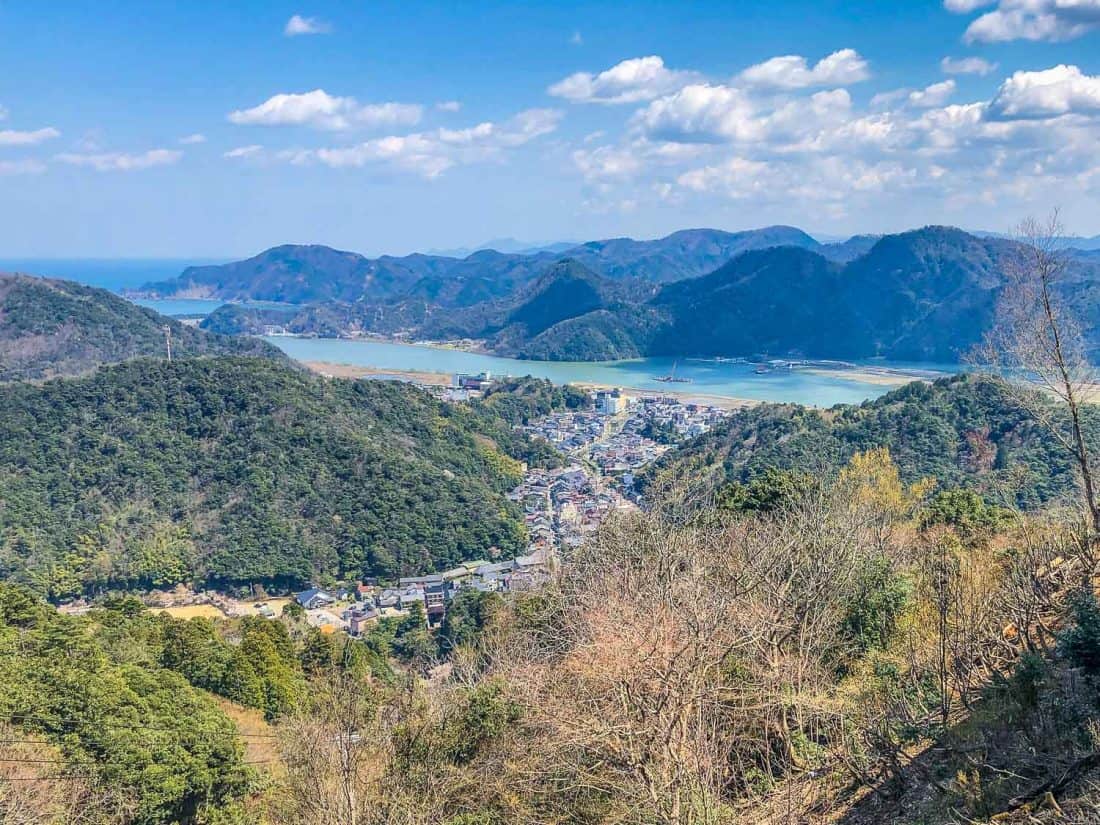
[(330, 369), (878, 377)]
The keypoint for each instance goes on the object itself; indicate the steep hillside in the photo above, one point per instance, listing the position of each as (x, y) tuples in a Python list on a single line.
[(50, 327), (237, 470), (927, 294), (962, 431), (777, 300)]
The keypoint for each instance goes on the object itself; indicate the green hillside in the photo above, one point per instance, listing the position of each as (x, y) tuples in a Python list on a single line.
[(236, 470), (962, 431), (50, 327)]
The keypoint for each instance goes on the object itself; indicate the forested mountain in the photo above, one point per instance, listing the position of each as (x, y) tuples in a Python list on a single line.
[(962, 431), (924, 295), (236, 470), (310, 274), (51, 327)]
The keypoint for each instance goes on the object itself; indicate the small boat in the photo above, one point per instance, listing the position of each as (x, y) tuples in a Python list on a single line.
[(671, 377), (762, 369)]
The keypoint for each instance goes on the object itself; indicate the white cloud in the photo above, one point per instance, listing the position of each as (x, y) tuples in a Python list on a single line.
[(448, 106), (631, 81), (1040, 133), (701, 113), (966, 6), (430, 154), (932, 96), (1062, 90), (320, 110), (298, 25), (191, 140), (21, 167), (967, 65), (841, 68), (1047, 20), (12, 137), (251, 150), (120, 161)]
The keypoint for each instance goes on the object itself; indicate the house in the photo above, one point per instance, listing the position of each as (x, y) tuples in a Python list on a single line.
[(435, 602), (358, 618), (313, 598)]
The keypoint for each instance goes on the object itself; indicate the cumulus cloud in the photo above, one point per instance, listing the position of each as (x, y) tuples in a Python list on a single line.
[(1062, 90), (631, 81), (298, 25), (191, 140), (841, 68), (1047, 20), (737, 141), (121, 161), (430, 154), (967, 65), (12, 137), (320, 110), (932, 96)]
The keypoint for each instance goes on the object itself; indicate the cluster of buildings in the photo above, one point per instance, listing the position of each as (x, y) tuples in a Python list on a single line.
[(354, 610), (608, 444), (569, 431), (564, 505), (687, 420)]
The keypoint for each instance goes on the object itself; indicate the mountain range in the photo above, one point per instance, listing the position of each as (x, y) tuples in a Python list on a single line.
[(927, 295)]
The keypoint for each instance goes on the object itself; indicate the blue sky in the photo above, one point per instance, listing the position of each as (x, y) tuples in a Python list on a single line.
[(212, 129)]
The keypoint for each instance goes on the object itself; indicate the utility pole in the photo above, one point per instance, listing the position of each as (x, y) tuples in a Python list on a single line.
[(168, 341)]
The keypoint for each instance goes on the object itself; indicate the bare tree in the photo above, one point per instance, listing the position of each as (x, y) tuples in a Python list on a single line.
[(1036, 343)]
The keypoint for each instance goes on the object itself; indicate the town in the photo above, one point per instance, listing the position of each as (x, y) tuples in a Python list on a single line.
[(604, 446)]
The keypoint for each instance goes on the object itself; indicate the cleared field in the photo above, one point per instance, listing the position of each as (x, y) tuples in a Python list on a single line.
[(253, 608), (191, 611)]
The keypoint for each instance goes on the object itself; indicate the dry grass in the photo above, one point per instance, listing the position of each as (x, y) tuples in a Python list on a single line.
[(193, 611)]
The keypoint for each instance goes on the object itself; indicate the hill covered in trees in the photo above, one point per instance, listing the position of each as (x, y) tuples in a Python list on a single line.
[(961, 431), (236, 470), (50, 327), (928, 294)]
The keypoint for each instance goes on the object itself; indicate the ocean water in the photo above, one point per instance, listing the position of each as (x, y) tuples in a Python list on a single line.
[(112, 274)]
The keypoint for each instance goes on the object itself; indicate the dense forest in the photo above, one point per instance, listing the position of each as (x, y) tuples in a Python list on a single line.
[(962, 431), (50, 327), (238, 470)]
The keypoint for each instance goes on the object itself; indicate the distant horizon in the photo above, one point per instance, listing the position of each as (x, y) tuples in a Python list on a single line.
[(213, 130), (521, 246)]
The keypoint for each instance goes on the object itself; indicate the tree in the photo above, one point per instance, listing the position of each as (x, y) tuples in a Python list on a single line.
[(1036, 343)]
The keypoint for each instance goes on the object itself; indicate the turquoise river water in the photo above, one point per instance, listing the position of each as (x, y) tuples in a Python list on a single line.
[(724, 379)]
